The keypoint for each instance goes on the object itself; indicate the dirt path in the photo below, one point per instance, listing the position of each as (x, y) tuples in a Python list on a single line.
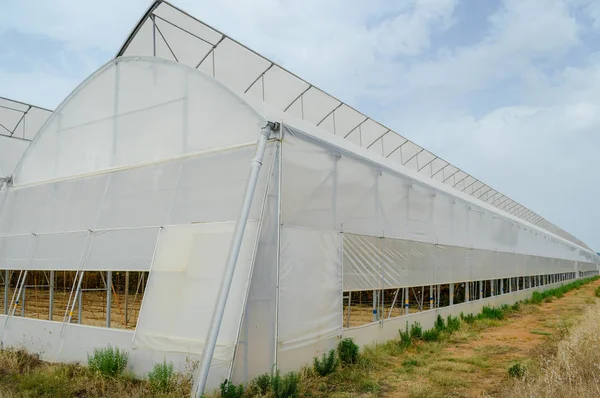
[(475, 361)]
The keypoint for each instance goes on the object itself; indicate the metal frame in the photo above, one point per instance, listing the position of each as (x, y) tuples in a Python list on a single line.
[(151, 13)]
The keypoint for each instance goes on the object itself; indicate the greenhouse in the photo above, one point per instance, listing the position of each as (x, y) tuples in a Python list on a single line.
[(165, 210)]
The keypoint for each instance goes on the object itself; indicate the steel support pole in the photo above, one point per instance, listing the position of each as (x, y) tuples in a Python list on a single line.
[(406, 297), (126, 297), (467, 287), (480, 290), (430, 297), (451, 294), (6, 289), (108, 296), (51, 299), (79, 305), (238, 235), (491, 287), (23, 301), (375, 301)]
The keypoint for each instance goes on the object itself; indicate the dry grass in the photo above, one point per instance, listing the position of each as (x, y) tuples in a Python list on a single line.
[(570, 366), (25, 375)]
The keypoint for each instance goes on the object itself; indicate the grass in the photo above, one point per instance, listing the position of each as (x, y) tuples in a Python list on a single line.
[(25, 375), (426, 364), (568, 365)]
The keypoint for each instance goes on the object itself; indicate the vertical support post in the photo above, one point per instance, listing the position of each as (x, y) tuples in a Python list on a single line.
[(480, 290), (127, 298), (502, 286), (430, 297), (51, 299), (6, 289), (23, 300), (349, 304), (374, 305), (439, 295), (79, 306), (108, 296), (467, 288), (451, 294), (406, 301), (491, 287), (510, 284), (236, 243)]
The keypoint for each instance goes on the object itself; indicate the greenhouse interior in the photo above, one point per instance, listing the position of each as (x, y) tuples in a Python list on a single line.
[(192, 201)]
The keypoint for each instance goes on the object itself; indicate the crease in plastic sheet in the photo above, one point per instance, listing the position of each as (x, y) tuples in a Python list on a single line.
[(329, 188), (310, 285), (182, 292)]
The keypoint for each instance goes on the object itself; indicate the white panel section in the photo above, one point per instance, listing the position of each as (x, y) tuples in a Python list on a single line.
[(122, 250), (187, 48), (11, 151), (346, 119), (143, 42), (58, 251), (281, 87), (15, 251), (173, 109), (182, 292), (317, 105), (227, 54), (310, 292), (193, 26)]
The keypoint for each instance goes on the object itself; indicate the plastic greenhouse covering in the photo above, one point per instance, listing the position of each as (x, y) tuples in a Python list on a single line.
[(144, 168)]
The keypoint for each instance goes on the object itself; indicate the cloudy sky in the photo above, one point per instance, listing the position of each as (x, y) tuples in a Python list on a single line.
[(508, 90)]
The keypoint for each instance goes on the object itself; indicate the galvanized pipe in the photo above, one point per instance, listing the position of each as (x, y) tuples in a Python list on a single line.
[(238, 235)]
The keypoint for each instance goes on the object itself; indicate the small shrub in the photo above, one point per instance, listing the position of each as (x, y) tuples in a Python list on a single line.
[(516, 371), (263, 383), (516, 306), (162, 377), (439, 323), (348, 351), (597, 291), (230, 390), (327, 365), (405, 340), (286, 386), (469, 318), (431, 335), (452, 324), (108, 361), (491, 313), (416, 331)]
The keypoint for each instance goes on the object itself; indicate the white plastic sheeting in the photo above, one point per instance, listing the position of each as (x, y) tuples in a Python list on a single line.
[(327, 188), (19, 124), (168, 32), (336, 217), (310, 294), (383, 263), (183, 288), (142, 100)]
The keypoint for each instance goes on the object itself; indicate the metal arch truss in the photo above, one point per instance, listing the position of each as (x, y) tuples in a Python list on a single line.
[(15, 119), (247, 72)]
